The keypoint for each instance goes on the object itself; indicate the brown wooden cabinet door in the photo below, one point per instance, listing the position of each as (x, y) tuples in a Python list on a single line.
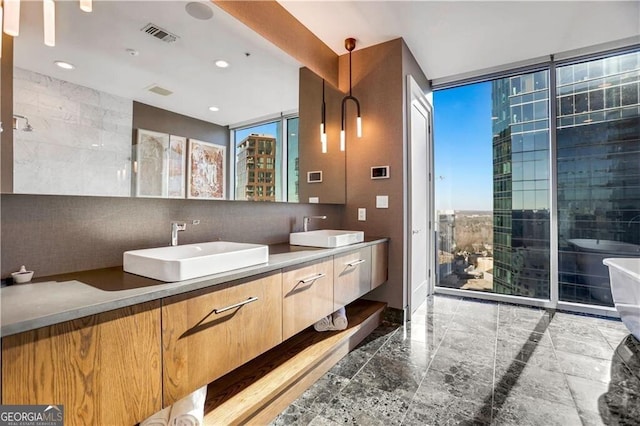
[(379, 264), (105, 369), (351, 276), (204, 336), (307, 292)]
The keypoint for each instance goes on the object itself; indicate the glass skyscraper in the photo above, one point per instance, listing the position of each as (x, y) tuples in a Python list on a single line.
[(520, 114), (598, 150)]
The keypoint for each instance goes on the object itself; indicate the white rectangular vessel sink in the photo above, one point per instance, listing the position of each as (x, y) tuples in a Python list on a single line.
[(326, 238), (179, 263)]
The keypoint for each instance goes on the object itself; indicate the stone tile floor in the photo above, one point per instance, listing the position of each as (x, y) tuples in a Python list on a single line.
[(464, 361)]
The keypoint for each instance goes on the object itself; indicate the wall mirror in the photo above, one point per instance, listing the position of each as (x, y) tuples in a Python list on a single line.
[(168, 99)]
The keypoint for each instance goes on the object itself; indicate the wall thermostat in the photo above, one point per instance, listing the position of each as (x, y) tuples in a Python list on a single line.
[(314, 177), (380, 172)]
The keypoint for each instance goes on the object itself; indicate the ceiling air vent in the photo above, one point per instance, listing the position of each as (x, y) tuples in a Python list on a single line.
[(159, 90), (159, 33)]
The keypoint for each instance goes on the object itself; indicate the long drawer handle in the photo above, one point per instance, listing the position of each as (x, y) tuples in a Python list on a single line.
[(236, 305), (312, 279), (355, 262)]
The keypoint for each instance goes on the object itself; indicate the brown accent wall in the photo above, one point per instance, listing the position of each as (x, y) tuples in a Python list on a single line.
[(332, 164), (272, 21), (6, 115), (379, 80), (53, 234)]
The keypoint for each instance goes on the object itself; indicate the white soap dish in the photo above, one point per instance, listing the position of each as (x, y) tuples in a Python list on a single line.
[(22, 276)]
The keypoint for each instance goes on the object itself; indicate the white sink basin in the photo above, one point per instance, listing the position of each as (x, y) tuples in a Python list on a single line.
[(327, 238), (193, 260)]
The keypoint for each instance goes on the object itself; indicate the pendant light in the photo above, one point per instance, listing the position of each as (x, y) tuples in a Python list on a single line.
[(323, 123), (11, 19), (86, 5), (49, 12), (350, 44)]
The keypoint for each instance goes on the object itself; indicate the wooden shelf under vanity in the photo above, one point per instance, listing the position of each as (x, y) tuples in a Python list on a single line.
[(259, 390)]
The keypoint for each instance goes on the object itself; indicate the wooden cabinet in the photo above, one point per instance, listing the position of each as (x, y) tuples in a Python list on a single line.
[(379, 264), (209, 332), (351, 276), (307, 292), (105, 369)]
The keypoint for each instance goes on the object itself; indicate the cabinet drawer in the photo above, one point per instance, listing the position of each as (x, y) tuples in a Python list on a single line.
[(207, 333), (307, 292), (104, 368), (379, 264), (351, 276)]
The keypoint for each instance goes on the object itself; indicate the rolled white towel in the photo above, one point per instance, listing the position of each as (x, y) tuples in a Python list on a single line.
[(325, 324), (161, 418), (339, 318), (189, 411)]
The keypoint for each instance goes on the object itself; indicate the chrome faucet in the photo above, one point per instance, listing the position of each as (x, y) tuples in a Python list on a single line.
[(176, 227), (305, 221)]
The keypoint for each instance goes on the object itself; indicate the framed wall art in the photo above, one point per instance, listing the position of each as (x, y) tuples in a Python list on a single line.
[(206, 172)]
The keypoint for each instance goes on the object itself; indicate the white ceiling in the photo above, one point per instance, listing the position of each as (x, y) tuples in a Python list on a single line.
[(264, 83), (455, 37)]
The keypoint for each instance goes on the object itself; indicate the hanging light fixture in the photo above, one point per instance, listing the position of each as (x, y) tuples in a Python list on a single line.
[(11, 19), (49, 12), (323, 123), (350, 44)]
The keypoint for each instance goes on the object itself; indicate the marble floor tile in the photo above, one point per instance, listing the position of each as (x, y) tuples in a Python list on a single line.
[(526, 411), (377, 338), (321, 392), (349, 365), (529, 353), (584, 366), (294, 416), (476, 345), (587, 393), (391, 375), (478, 363), (589, 347), (522, 336), (366, 405), (405, 349), (534, 382), (447, 360), (455, 384), (523, 317), (613, 337)]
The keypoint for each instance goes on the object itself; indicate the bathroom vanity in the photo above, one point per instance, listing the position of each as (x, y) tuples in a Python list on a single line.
[(114, 348)]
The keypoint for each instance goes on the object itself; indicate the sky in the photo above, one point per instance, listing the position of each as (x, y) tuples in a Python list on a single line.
[(463, 152)]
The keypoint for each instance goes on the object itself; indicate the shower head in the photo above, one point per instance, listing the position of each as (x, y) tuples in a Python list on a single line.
[(27, 127)]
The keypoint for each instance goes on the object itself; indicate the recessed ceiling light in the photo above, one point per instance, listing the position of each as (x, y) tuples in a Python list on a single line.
[(221, 63), (214, 108), (199, 10), (64, 65)]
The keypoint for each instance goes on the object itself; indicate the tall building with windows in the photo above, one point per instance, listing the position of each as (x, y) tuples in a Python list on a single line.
[(520, 116), (598, 151), (255, 168)]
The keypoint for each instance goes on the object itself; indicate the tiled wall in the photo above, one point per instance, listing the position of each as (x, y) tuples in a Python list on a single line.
[(81, 138), (57, 234)]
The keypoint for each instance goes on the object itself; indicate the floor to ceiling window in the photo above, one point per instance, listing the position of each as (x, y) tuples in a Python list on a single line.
[(598, 154), (493, 180), (492, 185)]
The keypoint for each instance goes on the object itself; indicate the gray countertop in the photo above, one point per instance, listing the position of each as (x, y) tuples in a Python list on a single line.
[(59, 298)]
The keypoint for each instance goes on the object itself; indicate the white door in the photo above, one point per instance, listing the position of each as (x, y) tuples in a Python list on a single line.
[(419, 231)]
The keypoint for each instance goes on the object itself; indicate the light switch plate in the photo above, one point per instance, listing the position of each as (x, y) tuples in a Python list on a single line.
[(382, 201), (362, 214), (314, 200)]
